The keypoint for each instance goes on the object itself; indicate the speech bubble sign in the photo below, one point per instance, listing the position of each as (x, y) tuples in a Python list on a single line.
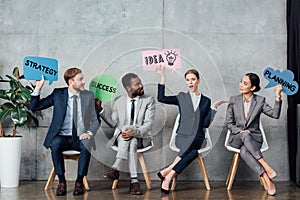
[(170, 58), (35, 67), (285, 79), (104, 87)]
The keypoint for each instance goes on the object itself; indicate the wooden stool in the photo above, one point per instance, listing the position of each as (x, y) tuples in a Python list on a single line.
[(71, 155)]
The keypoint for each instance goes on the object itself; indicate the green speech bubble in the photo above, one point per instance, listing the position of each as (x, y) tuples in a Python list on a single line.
[(104, 87)]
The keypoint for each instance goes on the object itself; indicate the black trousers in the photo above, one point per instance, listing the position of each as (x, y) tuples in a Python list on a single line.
[(189, 155)]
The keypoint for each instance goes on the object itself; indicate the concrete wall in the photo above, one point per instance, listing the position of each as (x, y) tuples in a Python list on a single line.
[(222, 39)]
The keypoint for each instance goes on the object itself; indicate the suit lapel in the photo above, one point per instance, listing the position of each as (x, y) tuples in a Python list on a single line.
[(138, 107), (83, 102), (65, 97)]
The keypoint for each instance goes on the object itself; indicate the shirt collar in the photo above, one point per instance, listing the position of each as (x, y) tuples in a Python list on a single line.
[(135, 98), (70, 94), (247, 101), (193, 95)]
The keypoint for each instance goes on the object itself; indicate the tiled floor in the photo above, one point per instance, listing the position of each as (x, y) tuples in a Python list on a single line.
[(29, 190)]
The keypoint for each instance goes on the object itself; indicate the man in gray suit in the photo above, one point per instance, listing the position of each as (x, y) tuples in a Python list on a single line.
[(73, 126), (132, 117)]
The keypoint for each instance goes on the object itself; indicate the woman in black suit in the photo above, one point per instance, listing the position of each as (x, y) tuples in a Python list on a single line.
[(195, 115), (242, 119)]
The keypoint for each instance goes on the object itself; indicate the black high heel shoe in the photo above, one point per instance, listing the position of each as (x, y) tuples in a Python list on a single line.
[(160, 176), (165, 191)]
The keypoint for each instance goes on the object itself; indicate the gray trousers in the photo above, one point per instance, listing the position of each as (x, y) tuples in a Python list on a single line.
[(250, 151), (127, 150)]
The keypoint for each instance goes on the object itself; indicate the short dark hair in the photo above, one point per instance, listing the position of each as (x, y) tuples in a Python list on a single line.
[(71, 73), (192, 71), (255, 81), (126, 79)]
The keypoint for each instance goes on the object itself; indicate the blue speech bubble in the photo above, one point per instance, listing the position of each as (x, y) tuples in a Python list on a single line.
[(35, 67), (285, 79)]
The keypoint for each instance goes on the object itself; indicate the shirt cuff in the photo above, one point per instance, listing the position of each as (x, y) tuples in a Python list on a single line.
[(36, 93), (90, 133)]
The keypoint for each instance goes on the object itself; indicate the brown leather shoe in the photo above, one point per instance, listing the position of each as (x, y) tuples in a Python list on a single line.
[(112, 174), (61, 189), (135, 188), (78, 190)]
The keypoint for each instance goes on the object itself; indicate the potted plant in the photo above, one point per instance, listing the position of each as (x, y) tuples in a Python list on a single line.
[(15, 106)]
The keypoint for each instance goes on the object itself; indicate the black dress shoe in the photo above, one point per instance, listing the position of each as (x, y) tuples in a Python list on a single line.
[(135, 188), (112, 174), (78, 190), (61, 189)]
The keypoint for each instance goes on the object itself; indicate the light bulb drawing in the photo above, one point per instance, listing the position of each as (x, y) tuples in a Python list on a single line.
[(171, 57)]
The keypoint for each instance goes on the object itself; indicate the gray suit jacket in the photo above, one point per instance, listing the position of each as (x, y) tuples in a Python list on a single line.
[(235, 118), (144, 117)]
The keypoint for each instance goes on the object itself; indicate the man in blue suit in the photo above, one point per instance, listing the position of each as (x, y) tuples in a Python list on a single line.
[(74, 124)]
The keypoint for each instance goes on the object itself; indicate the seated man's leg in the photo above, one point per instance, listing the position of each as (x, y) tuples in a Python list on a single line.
[(58, 145), (123, 146), (122, 154), (135, 187), (132, 159), (84, 147)]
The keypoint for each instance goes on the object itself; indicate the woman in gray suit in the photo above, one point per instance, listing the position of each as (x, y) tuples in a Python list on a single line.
[(195, 115), (242, 119)]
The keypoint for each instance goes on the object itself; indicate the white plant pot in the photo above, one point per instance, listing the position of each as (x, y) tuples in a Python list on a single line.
[(10, 159)]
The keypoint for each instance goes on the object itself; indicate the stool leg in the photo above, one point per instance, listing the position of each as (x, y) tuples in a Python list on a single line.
[(145, 171), (115, 182), (235, 162), (86, 184), (173, 187), (204, 173), (229, 173), (50, 179)]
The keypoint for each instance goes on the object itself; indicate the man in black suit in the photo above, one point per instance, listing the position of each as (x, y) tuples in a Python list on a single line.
[(74, 124)]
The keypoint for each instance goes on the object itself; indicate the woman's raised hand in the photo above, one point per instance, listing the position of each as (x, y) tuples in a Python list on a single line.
[(161, 70)]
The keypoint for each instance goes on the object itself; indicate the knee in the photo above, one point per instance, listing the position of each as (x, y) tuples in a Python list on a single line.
[(85, 145), (243, 151), (56, 145), (133, 143), (246, 137)]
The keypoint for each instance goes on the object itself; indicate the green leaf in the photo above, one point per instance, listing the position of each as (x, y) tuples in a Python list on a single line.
[(4, 114), (19, 116), (3, 95), (7, 106), (33, 118), (16, 72), (23, 97)]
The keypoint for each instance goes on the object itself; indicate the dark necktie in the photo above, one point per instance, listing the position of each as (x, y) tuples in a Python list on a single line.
[(132, 112), (74, 123)]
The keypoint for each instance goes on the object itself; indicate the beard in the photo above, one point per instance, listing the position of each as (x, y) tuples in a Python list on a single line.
[(138, 92)]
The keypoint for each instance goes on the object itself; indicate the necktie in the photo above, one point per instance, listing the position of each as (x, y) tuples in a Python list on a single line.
[(132, 112), (74, 123)]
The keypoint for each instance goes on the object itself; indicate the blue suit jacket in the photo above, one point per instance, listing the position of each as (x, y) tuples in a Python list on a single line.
[(59, 99)]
